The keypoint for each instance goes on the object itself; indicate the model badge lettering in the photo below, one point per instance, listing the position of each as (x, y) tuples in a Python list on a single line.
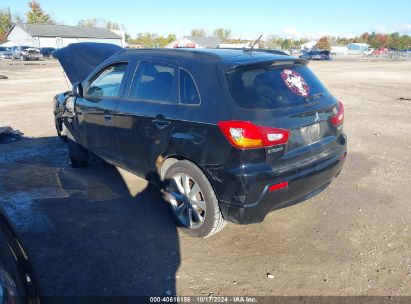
[(269, 151)]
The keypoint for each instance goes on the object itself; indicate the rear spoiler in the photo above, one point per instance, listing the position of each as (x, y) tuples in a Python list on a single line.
[(269, 63)]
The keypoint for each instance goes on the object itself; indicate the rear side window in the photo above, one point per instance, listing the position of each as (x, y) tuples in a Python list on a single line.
[(154, 81), (188, 90), (273, 87), (107, 82)]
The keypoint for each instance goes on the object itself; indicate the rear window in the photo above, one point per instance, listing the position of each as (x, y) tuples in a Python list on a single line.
[(273, 87)]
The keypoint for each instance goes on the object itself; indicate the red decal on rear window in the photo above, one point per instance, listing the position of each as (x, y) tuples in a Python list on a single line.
[(295, 82)]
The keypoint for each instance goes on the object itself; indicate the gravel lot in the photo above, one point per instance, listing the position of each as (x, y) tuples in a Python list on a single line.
[(102, 231)]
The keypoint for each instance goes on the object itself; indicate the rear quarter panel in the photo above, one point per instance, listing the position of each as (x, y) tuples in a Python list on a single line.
[(196, 135)]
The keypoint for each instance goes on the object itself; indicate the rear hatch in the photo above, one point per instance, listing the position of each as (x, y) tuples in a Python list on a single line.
[(286, 95)]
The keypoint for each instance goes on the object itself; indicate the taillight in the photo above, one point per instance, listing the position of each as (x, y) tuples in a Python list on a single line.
[(246, 135), (338, 118)]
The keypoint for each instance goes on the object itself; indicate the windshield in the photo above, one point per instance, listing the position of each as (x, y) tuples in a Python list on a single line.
[(274, 87), (4, 48)]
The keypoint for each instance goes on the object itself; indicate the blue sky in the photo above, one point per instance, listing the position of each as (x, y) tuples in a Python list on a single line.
[(246, 19)]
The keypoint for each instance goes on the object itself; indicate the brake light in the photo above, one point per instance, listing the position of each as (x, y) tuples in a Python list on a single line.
[(338, 118), (246, 135)]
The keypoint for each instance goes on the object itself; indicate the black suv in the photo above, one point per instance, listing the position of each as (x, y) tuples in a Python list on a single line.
[(231, 134), (47, 51)]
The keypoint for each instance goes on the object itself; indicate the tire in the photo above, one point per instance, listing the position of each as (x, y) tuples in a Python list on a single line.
[(199, 214), (10, 276), (22, 58), (78, 155)]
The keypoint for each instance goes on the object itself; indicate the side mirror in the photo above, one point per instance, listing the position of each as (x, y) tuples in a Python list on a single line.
[(77, 90)]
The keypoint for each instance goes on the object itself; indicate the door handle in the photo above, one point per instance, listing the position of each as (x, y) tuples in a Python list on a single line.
[(161, 123), (108, 116)]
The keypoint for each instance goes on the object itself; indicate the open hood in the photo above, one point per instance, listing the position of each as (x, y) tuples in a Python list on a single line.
[(79, 59)]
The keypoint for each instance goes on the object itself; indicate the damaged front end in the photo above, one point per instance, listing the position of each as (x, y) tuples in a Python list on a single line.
[(31, 54)]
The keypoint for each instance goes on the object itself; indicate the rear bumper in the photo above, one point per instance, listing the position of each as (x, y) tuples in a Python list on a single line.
[(301, 186)]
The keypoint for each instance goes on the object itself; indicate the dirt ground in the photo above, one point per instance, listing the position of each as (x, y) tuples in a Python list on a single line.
[(101, 231)]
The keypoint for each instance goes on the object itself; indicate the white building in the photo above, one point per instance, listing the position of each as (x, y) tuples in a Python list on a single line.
[(122, 34), (237, 45), (339, 49), (58, 36), (357, 48), (9, 44), (195, 42)]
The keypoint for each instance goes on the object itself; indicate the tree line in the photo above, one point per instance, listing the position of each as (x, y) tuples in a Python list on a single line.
[(374, 40), (36, 15)]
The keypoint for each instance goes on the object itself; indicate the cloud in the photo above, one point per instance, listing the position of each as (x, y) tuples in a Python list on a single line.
[(291, 32), (296, 33), (401, 28)]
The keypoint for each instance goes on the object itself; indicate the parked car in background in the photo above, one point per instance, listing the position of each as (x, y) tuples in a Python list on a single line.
[(380, 52), (47, 51), (5, 52), (25, 53), (316, 55), (232, 134)]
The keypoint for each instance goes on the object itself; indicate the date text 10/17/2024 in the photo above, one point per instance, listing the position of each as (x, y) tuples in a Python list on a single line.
[(205, 299)]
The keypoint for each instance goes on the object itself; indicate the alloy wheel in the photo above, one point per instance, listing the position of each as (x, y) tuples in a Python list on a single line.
[(187, 200)]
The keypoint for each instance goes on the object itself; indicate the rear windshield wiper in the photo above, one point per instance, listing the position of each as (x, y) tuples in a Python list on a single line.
[(312, 97)]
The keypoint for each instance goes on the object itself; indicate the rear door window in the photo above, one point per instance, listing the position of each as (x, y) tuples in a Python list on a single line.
[(154, 81), (188, 89), (273, 87)]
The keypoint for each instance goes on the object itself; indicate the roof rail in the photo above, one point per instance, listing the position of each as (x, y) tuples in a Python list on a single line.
[(179, 51), (277, 52)]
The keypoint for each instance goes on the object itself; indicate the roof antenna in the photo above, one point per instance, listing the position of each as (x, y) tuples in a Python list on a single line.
[(252, 47)]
